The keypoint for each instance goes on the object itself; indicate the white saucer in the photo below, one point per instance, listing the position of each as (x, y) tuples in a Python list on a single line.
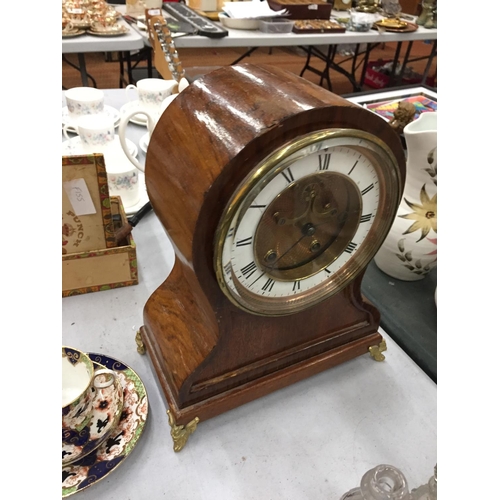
[(144, 142), (74, 147), (69, 120), (144, 198), (139, 119)]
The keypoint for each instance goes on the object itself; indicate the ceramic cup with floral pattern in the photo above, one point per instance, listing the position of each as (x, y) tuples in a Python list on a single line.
[(123, 179), (152, 92), (84, 101), (79, 384), (97, 132)]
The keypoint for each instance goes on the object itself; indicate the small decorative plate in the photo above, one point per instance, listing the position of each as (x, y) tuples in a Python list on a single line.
[(74, 147), (409, 28), (392, 23), (72, 33), (80, 23), (71, 123), (107, 408), (112, 452), (113, 31)]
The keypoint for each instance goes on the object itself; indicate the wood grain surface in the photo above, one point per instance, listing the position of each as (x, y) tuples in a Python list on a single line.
[(209, 355)]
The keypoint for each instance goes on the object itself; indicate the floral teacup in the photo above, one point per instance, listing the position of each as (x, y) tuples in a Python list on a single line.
[(79, 384), (106, 410), (152, 92), (96, 132), (84, 100)]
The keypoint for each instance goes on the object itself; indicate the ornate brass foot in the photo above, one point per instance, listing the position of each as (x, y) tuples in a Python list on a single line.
[(180, 433), (376, 351), (141, 348)]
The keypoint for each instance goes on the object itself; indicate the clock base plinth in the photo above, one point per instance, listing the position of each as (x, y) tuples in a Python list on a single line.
[(189, 416)]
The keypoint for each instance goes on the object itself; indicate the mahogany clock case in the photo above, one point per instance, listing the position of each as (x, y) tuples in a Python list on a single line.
[(209, 355)]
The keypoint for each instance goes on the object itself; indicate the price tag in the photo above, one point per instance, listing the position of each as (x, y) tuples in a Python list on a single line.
[(154, 12), (313, 6), (79, 197)]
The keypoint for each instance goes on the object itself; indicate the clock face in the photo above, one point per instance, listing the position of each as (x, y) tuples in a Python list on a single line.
[(306, 221)]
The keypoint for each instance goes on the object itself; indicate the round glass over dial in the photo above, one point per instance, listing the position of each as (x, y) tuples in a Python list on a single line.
[(306, 221)]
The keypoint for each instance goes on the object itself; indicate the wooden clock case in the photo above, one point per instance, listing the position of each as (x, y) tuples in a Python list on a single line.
[(210, 356)]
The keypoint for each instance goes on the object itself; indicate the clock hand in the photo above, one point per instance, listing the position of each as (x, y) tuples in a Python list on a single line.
[(291, 248)]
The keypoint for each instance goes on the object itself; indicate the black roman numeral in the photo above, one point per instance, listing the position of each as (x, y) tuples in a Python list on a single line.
[(351, 247), (324, 161), (287, 174), (258, 206), (227, 268), (249, 269), (365, 218), (246, 241), (230, 233), (296, 286), (369, 188), (268, 285)]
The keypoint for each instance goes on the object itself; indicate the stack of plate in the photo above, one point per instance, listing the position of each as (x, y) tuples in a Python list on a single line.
[(119, 415)]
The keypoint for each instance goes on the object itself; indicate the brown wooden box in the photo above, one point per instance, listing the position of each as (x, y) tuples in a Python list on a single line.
[(102, 269), (303, 9)]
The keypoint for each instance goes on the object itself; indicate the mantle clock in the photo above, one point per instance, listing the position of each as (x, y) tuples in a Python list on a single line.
[(276, 195)]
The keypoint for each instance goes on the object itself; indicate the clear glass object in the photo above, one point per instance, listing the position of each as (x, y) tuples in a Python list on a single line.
[(383, 482), (391, 8), (426, 491)]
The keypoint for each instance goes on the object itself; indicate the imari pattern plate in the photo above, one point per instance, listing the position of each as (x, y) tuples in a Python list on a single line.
[(114, 450)]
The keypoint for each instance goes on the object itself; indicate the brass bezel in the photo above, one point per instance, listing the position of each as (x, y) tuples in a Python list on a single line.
[(273, 165)]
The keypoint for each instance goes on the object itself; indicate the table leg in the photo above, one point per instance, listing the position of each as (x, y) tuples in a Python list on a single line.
[(395, 63), (369, 47), (83, 69), (405, 62), (246, 54), (432, 55)]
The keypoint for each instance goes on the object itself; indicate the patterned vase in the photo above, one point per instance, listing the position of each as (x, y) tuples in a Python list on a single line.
[(410, 250)]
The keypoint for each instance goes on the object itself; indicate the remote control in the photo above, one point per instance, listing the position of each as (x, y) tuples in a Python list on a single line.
[(204, 26)]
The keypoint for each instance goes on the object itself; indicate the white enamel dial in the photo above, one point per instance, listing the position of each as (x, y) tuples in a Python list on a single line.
[(306, 226)]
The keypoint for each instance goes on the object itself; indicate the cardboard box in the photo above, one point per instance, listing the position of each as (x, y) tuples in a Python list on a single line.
[(303, 9), (86, 213), (102, 269)]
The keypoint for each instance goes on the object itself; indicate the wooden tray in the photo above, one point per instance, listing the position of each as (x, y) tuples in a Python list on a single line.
[(317, 26)]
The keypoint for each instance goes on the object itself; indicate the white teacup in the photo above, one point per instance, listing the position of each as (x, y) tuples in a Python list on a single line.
[(84, 101), (79, 384), (123, 180), (152, 91), (152, 120), (96, 132)]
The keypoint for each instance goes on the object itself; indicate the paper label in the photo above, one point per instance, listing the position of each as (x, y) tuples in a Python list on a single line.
[(79, 197), (313, 7)]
